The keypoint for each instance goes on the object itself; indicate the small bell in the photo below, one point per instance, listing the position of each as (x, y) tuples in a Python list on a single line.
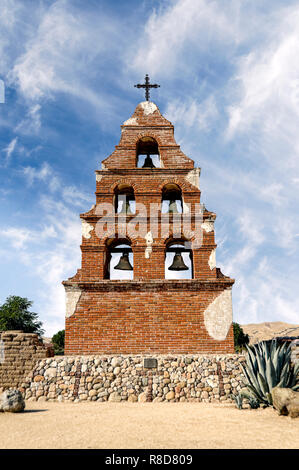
[(124, 263), (173, 207), (178, 263), (148, 162), (126, 208)]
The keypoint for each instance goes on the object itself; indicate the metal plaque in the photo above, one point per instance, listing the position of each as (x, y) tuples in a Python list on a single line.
[(150, 363)]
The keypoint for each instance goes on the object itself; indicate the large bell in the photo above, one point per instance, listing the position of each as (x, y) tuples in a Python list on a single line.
[(148, 162), (126, 208), (173, 209), (124, 263), (178, 263)]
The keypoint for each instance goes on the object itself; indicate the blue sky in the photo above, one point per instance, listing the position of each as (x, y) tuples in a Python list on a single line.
[(229, 76)]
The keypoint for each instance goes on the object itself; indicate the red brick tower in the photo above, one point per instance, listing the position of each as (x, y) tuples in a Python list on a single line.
[(137, 223)]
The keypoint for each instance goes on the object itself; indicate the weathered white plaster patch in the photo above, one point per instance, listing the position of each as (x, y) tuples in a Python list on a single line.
[(208, 225), (193, 177), (99, 177), (86, 229), (72, 296), (103, 166), (212, 259), (149, 241), (219, 315), (148, 107), (133, 121), (186, 209)]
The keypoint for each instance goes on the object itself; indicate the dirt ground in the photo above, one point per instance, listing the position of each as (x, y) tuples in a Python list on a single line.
[(90, 425)]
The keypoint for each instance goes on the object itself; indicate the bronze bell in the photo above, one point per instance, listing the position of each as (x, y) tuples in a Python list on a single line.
[(178, 263), (126, 208), (148, 162), (124, 263), (173, 209)]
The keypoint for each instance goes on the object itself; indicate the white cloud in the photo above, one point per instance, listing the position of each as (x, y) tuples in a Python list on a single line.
[(20, 237), (9, 150), (192, 113), (45, 173), (268, 88), (52, 253), (72, 195), (60, 55), (32, 122), (185, 25)]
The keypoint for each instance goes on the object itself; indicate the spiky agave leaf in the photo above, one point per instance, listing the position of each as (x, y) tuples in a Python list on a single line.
[(269, 398), (270, 374), (252, 384), (273, 347), (263, 384), (296, 371), (284, 376), (256, 394), (252, 359), (251, 377), (260, 359)]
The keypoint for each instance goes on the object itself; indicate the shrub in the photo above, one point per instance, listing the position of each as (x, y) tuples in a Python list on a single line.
[(240, 338), (15, 315), (58, 343)]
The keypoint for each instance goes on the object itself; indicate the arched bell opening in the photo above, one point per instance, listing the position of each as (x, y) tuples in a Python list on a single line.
[(178, 260), (147, 153), (119, 260), (172, 201), (124, 200)]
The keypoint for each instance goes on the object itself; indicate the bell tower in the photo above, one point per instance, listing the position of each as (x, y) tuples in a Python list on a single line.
[(148, 282)]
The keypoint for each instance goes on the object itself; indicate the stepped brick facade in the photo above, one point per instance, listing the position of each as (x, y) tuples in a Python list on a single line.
[(148, 314)]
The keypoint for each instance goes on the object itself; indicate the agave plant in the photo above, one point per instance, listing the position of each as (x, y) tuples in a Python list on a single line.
[(239, 400), (253, 403), (269, 366)]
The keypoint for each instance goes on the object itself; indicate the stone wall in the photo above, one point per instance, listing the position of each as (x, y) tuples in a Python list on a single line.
[(125, 378), (19, 353)]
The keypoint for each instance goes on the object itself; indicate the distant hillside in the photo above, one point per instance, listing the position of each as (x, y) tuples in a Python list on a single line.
[(268, 330)]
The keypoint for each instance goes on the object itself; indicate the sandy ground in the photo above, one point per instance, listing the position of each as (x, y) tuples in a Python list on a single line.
[(50, 425)]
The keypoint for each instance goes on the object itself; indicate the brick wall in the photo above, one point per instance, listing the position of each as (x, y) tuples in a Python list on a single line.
[(19, 353), (159, 317)]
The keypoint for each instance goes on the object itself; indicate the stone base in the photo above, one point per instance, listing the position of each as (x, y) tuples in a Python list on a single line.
[(207, 378)]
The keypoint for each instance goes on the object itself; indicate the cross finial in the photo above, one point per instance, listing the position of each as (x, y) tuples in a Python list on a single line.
[(147, 85)]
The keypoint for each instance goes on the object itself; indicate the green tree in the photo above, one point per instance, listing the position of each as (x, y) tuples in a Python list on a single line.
[(58, 342), (15, 315), (240, 338)]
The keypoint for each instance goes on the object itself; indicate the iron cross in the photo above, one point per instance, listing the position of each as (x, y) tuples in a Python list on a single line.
[(147, 85)]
